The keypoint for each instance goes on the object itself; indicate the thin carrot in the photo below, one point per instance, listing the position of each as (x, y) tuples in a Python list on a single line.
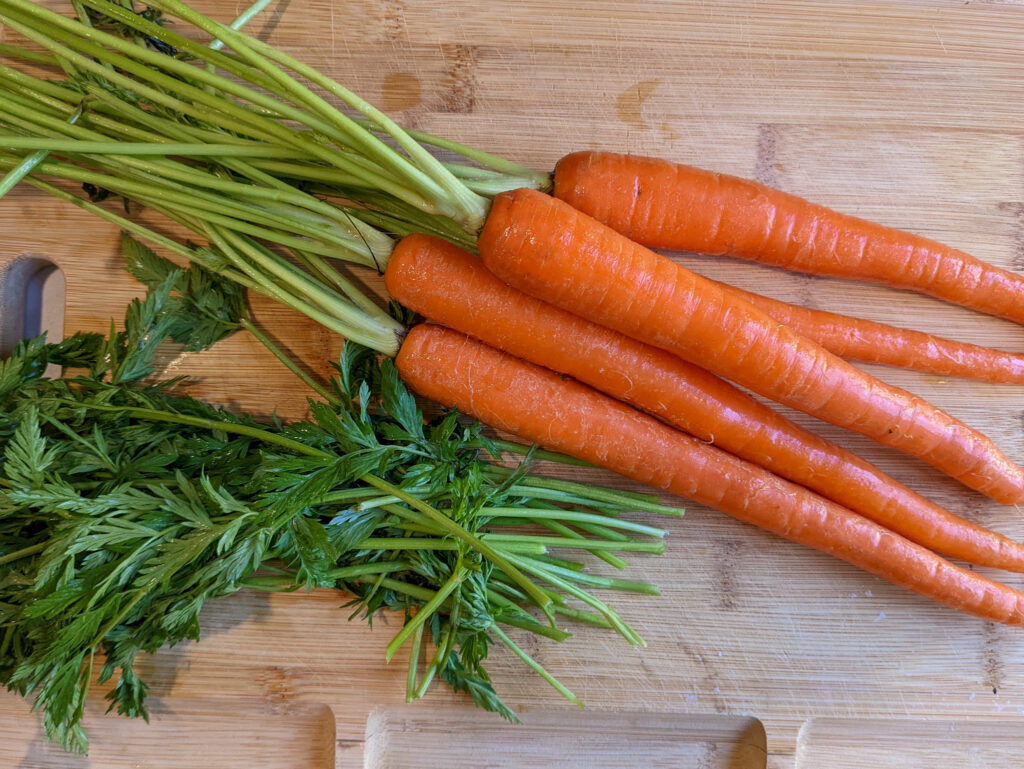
[(865, 340), (450, 286), (666, 205), (562, 414), (550, 250)]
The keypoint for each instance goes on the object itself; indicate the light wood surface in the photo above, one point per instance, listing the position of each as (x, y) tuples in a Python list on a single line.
[(408, 738), (908, 112)]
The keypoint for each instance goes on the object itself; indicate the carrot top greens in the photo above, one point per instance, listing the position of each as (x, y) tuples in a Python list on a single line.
[(126, 505)]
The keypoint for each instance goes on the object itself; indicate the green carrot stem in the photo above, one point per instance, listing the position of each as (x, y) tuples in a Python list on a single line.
[(606, 583), (536, 666), (23, 169), (155, 415), (447, 645), (263, 75), (584, 544), (366, 569), (430, 543), (15, 77), (431, 672), (413, 591), (538, 453), (384, 342), (204, 106), (532, 626), (5, 644), (588, 617), (36, 57), (602, 532), (565, 564), (290, 364), (242, 19), (129, 226), (458, 574), (360, 496), (595, 495), (469, 208), (20, 171), (310, 172), (25, 552), (542, 181), (535, 592), (385, 328), (516, 617), (140, 148), (560, 528), (546, 573), (574, 517), (346, 286), (225, 211), (256, 220), (359, 237), (414, 659)]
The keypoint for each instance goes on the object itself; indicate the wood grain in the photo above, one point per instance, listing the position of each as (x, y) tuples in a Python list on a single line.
[(907, 112), (185, 732)]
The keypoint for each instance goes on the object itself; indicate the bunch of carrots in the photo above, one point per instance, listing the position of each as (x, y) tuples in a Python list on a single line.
[(649, 345), (568, 330)]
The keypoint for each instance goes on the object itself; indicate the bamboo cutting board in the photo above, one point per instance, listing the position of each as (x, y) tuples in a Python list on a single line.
[(760, 654)]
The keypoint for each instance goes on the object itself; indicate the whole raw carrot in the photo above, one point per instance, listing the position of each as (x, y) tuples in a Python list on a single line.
[(562, 414), (550, 250), (666, 205), (450, 286), (865, 340)]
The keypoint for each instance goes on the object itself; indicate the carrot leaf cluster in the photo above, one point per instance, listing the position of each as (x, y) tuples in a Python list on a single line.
[(127, 505)]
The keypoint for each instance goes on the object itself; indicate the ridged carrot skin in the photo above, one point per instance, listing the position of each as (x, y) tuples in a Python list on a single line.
[(562, 414), (549, 250), (450, 286), (870, 342), (667, 205)]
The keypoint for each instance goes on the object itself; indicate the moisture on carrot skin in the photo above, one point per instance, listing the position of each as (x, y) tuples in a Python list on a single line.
[(450, 286), (548, 249), (667, 205), (870, 342), (561, 414)]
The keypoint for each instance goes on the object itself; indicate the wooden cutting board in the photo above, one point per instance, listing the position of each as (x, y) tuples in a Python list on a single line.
[(759, 653)]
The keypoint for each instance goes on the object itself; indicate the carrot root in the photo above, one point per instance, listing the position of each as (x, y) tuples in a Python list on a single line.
[(561, 414), (450, 286), (666, 205), (870, 342), (549, 250)]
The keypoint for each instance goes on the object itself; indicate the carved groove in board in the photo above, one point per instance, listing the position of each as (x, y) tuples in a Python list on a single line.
[(32, 295), (415, 738)]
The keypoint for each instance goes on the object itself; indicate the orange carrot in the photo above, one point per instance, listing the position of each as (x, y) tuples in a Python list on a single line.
[(865, 340), (448, 285), (666, 205), (550, 250), (562, 414)]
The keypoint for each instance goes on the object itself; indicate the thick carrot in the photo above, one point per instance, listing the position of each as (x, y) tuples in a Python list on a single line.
[(562, 414), (665, 205), (450, 286), (865, 340), (550, 250)]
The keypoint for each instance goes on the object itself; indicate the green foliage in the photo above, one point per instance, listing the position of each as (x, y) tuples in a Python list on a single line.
[(204, 307), (126, 506)]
